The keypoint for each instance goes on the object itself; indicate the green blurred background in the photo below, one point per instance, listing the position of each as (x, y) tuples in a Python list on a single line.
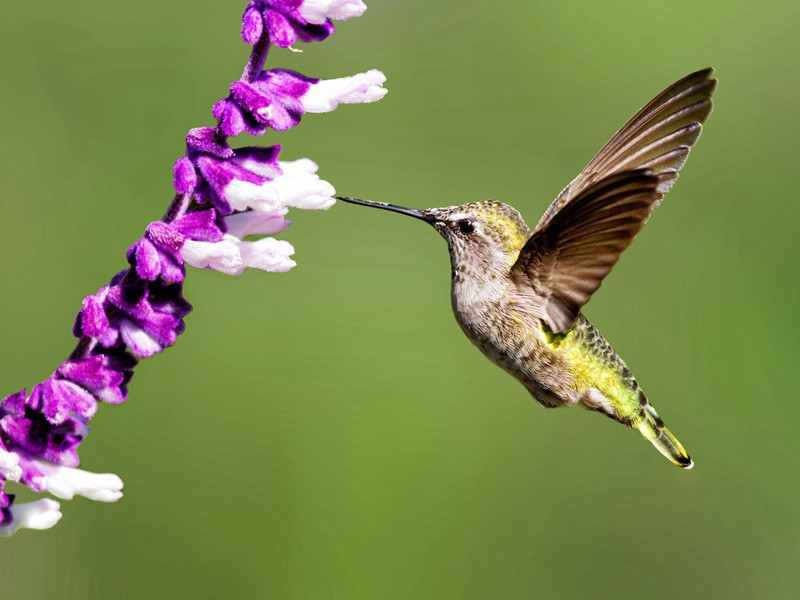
[(330, 433)]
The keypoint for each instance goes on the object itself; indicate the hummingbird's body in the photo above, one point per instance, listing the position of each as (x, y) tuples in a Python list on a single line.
[(502, 319), (517, 293)]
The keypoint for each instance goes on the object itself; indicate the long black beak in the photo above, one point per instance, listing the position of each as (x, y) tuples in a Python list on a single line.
[(411, 212)]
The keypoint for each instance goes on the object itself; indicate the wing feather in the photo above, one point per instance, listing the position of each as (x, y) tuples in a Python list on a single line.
[(658, 138), (568, 258)]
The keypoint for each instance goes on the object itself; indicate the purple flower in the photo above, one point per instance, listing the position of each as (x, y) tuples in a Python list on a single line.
[(146, 328), (278, 98), (28, 432), (226, 183), (246, 182), (60, 399), (202, 241), (151, 260), (104, 376), (286, 21), (226, 201), (125, 310)]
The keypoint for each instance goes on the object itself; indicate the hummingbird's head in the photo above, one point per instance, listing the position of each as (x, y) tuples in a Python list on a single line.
[(482, 236)]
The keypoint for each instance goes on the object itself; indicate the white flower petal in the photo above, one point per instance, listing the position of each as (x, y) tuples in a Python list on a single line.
[(242, 195), (65, 482), (221, 256), (268, 254), (41, 514), (317, 11), (301, 187), (300, 166), (326, 95), (9, 465), (232, 256), (298, 186), (256, 223)]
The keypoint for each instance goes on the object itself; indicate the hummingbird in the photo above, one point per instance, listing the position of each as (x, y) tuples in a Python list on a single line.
[(517, 293)]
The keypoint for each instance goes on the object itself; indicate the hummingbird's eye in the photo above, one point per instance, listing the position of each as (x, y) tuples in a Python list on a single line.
[(465, 227)]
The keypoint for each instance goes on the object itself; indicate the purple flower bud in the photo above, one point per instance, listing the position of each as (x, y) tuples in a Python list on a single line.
[(95, 374), (251, 101), (145, 330), (278, 98), (252, 25), (92, 320), (184, 176), (232, 121), (6, 516), (145, 259), (166, 299), (286, 21), (208, 140), (151, 261), (273, 98), (166, 237), (26, 432), (58, 399), (14, 404), (279, 28), (204, 226)]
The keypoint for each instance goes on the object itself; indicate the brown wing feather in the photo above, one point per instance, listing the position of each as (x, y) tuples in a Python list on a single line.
[(566, 260), (658, 137)]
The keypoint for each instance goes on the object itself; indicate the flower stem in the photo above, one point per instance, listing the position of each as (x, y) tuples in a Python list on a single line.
[(258, 56), (83, 349), (178, 207)]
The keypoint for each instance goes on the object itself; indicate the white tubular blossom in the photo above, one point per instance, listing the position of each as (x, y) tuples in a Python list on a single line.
[(298, 186), (327, 94), (42, 514), (254, 222), (232, 256), (301, 187), (318, 11), (267, 254), (66, 482)]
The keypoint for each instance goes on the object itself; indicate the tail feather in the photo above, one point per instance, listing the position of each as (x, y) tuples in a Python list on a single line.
[(652, 428)]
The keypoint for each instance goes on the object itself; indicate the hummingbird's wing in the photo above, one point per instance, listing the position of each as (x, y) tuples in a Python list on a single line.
[(566, 260), (658, 137)]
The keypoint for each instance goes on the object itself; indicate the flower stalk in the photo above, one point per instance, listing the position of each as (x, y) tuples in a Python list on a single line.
[(223, 197)]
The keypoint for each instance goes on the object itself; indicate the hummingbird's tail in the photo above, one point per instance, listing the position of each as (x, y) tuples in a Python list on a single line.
[(652, 428)]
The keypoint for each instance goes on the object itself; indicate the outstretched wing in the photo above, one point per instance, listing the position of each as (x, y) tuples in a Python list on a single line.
[(658, 137), (566, 260)]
